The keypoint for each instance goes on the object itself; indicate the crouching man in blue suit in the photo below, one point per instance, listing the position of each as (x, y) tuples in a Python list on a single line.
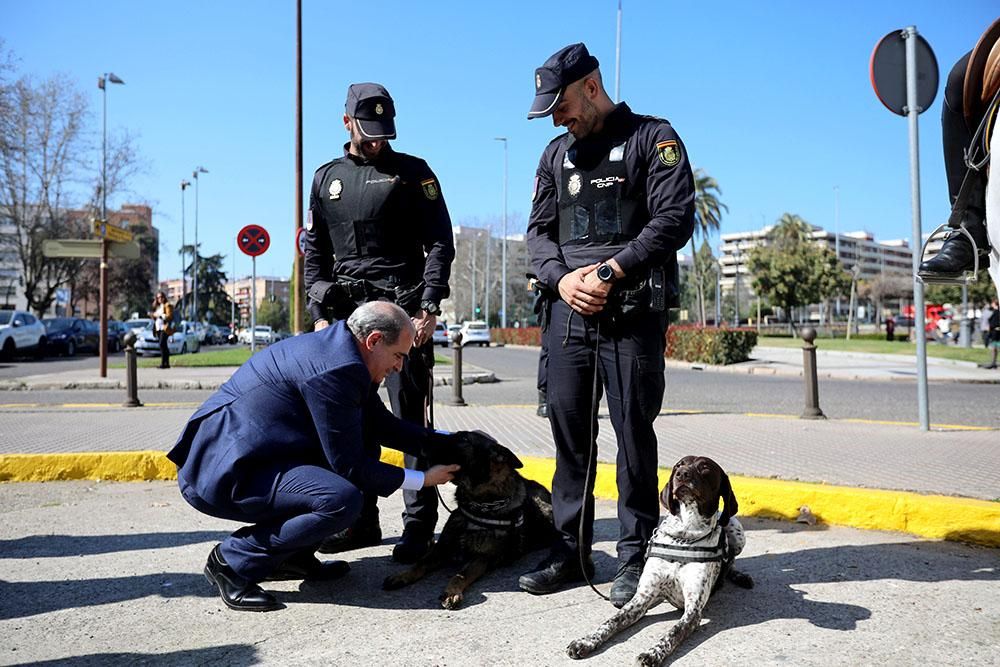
[(289, 444)]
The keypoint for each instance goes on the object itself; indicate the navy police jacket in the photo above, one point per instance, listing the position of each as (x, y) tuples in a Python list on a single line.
[(307, 400)]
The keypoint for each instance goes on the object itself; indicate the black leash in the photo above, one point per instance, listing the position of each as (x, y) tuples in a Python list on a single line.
[(591, 464)]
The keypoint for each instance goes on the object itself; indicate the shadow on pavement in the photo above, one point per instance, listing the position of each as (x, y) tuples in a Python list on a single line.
[(231, 654), (52, 546)]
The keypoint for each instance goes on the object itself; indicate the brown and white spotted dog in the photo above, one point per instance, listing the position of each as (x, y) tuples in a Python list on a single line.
[(500, 515), (691, 551)]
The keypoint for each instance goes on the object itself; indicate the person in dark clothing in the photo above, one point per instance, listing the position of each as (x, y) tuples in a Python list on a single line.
[(970, 98), (612, 204), (287, 443), (163, 318), (378, 229), (994, 334)]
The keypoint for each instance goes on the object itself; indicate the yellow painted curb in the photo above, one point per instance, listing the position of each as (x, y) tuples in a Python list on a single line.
[(930, 516)]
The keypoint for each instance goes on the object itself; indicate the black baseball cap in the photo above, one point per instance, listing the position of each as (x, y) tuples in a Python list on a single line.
[(371, 105), (565, 66)]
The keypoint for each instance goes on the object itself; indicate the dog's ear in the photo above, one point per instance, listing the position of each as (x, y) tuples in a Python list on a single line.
[(730, 507), (509, 457), (667, 498)]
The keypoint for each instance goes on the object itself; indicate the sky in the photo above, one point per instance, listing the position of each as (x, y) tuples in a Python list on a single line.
[(772, 99)]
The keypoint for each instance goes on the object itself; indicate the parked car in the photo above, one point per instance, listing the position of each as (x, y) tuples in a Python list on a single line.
[(138, 325), (475, 332), (441, 336), (224, 334), (116, 335), (184, 339), (264, 335), (69, 335), (21, 332), (244, 336)]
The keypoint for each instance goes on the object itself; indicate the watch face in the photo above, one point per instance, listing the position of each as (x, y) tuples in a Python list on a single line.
[(605, 272)]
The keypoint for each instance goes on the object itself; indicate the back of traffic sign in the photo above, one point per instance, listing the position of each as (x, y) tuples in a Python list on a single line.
[(253, 240), (888, 72)]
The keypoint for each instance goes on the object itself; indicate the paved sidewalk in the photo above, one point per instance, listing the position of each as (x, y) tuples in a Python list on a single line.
[(110, 574)]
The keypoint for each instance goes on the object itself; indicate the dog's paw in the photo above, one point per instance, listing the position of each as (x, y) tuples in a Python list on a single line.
[(647, 660), (451, 601), (394, 582), (580, 648)]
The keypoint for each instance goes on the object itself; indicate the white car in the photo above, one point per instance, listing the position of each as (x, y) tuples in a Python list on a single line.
[(264, 335), (475, 332), (20, 332), (441, 335), (137, 325), (183, 340)]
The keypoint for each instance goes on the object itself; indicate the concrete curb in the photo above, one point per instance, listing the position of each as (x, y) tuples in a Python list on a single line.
[(930, 516)]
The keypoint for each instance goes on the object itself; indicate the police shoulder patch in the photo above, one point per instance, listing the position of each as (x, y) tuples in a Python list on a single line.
[(669, 152), (430, 188)]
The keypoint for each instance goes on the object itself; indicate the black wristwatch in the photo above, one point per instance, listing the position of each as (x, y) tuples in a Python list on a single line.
[(605, 273), (430, 307)]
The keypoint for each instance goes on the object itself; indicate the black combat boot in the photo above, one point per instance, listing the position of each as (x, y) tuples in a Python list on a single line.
[(365, 532)]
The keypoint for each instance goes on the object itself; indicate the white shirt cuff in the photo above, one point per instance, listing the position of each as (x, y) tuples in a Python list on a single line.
[(413, 480)]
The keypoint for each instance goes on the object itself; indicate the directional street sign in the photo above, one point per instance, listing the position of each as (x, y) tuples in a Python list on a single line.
[(88, 248), (253, 240), (111, 232)]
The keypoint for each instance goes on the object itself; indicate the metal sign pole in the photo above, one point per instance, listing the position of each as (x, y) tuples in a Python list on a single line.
[(912, 110), (253, 308)]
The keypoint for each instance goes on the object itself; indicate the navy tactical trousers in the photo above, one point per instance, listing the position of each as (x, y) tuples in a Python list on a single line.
[(309, 503), (408, 391), (630, 364)]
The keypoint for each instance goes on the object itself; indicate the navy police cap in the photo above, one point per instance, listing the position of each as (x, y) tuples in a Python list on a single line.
[(565, 66), (371, 105)]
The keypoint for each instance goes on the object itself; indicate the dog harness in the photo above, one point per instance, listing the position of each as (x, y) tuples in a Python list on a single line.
[(709, 548), (490, 522)]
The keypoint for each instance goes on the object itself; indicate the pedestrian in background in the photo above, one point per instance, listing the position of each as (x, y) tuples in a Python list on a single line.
[(994, 344), (162, 314), (378, 229), (890, 326), (984, 324), (613, 202)]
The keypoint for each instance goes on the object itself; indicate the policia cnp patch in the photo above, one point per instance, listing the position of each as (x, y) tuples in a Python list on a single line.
[(430, 188), (669, 153)]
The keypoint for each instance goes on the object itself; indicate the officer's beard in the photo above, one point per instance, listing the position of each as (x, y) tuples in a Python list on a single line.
[(362, 147)]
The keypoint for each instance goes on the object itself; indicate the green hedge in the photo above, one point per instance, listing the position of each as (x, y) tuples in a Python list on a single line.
[(517, 335), (710, 345)]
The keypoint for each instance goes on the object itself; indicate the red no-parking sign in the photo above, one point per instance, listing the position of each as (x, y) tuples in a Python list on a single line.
[(253, 240)]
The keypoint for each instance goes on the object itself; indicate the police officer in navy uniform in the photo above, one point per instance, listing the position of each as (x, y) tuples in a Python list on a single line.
[(286, 444), (613, 202), (378, 229), (969, 98)]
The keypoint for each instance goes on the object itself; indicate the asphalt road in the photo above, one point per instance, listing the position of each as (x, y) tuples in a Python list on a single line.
[(950, 403)]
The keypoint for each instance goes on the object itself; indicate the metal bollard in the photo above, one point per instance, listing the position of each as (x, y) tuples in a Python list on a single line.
[(131, 381), (456, 370), (812, 410)]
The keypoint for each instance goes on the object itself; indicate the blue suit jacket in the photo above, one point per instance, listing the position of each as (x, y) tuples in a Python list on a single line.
[(307, 400)]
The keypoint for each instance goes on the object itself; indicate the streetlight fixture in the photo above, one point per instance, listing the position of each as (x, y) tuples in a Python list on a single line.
[(102, 82), (184, 186), (503, 253), (194, 278)]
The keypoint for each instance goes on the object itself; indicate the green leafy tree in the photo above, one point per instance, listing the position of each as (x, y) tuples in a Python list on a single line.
[(791, 270), (213, 301), (707, 219), (274, 314)]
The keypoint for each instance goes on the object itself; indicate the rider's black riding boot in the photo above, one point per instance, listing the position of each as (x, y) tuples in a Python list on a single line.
[(956, 255)]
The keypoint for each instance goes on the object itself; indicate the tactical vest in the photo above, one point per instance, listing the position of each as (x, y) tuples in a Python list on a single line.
[(597, 216), (365, 206)]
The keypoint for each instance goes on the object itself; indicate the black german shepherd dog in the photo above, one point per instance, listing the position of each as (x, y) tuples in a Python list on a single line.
[(500, 515)]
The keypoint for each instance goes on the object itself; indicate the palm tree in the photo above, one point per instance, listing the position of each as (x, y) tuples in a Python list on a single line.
[(707, 216)]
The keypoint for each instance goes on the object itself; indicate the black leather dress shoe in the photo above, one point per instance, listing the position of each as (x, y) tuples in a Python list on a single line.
[(360, 535), (626, 581), (237, 592), (412, 546), (307, 567), (553, 572)]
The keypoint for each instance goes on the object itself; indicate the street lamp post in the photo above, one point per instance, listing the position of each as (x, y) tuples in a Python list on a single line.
[(102, 82), (184, 186), (194, 278), (503, 253)]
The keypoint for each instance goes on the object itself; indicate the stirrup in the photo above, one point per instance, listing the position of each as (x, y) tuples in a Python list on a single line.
[(928, 278)]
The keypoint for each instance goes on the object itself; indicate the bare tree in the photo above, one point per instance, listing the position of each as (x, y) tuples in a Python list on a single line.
[(47, 161)]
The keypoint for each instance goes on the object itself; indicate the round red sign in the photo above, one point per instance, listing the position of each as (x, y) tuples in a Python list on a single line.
[(253, 240)]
